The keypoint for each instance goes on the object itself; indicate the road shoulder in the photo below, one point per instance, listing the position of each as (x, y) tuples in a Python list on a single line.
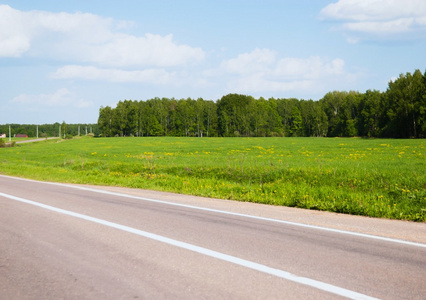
[(394, 229)]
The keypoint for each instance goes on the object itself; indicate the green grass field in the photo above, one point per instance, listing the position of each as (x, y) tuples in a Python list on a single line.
[(373, 177)]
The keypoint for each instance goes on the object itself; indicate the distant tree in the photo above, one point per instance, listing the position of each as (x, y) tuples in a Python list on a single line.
[(320, 121), (404, 102), (349, 114), (159, 108), (371, 111), (105, 121), (233, 112), (422, 110), (210, 118), (295, 122), (259, 116), (186, 115), (199, 107), (273, 124), (63, 129), (285, 109), (332, 103), (398, 112)]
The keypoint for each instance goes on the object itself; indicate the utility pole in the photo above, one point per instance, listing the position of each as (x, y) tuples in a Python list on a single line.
[(59, 131), (10, 137), (37, 131), (78, 130)]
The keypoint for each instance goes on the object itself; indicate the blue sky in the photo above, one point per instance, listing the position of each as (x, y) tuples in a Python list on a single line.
[(63, 60)]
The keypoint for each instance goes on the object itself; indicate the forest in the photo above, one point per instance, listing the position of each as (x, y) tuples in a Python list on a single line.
[(399, 112), (50, 130)]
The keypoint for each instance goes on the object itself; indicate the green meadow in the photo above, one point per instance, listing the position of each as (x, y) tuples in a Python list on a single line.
[(382, 178)]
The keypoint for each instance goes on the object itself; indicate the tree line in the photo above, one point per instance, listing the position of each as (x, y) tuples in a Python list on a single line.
[(399, 112), (50, 130)]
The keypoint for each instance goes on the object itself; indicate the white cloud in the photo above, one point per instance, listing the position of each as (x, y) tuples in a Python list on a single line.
[(83, 104), (262, 71), (381, 28), (14, 40), (88, 38), (61, 98), (374, 10), (383, 19), (125, 50), (155, 76), (308, 68), (259, 84), (255, 61)]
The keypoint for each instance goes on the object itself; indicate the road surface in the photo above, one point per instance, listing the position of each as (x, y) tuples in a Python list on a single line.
[(83, 242), (36, 140)]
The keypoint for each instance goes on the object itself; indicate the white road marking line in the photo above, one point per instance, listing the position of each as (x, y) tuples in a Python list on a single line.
[(369, 236), (204, 251)]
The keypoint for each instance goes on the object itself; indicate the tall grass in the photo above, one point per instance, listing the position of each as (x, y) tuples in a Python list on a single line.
[(372, 177)]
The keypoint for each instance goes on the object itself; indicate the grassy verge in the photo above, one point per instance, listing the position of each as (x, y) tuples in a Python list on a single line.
[(372, 177)]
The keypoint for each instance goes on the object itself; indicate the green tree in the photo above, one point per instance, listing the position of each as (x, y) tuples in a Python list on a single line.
[(285, 109), (399, 112), (149, 124), (105, 121), (274, 127), (295, 122), (371, 111), (349, 114), (320, 121), (404, 102), (259, 116), (63, 129), (210, 118), (332, 103), (125, 118), (173, 118), (159, 108), (199, 107), (186, 116), (233, 112), (422, 111)]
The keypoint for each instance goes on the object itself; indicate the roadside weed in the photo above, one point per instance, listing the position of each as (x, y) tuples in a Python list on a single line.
[(371, 177)]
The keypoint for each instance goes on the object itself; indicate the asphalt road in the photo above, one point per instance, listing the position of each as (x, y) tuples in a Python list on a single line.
[(81, 242), (36, 140)]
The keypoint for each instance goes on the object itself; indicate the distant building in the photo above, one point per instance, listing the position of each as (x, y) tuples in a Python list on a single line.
[(21, 135), (3, 135)]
